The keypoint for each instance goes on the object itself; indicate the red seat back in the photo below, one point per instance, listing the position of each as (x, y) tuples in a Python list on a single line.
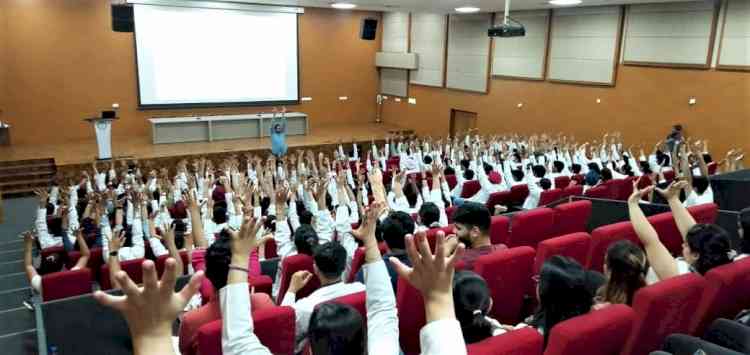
[(470, 188), (162, 260), (411, 316), (572, 217), (273, 326), (531, 227), (131, 267), (579, 179), (669, 235), (574, 246), (669, 175), (603, 237), (601, 332), (561, 182), (712, 168), (498, 198), (451, 180), (359, 259), (549, 196), (94, 264), (357, 301), (705, 213), (518, 194), (431, 234), (65, 284), (499, 229), (524, 341), (289, 266), (662, 309), (449, 212), (271, 251), (626, 188), (570, 191), (644, 182), (508, 275), (727, 293), (601, 191)]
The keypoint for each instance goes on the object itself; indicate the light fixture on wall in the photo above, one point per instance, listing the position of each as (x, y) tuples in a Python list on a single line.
[(564, 2), (467, 9), (343, 5)]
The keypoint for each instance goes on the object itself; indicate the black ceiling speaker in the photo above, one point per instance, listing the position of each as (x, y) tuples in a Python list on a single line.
[(122, 18), (369, 29)]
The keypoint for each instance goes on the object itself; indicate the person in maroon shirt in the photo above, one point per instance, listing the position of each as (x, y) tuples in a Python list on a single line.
[(472, 221)]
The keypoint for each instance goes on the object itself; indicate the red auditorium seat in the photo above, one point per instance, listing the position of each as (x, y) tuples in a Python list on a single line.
[(289, 266), (271, 251), (51, 250), (644, 182), (432, 234), (561, 182), (94, 264), (712, 168), (727, 293), (669, 175), (669, 235), (524, 341), (131, 267), (705, 213), (357, 301), (518, 194), (614, 186), (449, 212), (572, 217), (261, 284), (65, 284), (411, 316), (499, 229), (601, 191), (274, 327), (570, 191), (626, 188), (662, 309), (549, 196), (470, 188), (162, 260), (498, 198), (531, 227), (508, 275), (603, 237), (451, 180), (574, 246), (359, 259), (579, 179), (601, 332)]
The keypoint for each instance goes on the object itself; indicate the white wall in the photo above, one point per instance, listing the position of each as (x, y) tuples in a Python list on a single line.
[(428, 34), (735, 39), (395, 39), (468, 52), (522, 57)]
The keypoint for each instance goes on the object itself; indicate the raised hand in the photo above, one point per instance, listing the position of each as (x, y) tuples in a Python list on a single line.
[(635, 197), (299, 280), (673, 190)]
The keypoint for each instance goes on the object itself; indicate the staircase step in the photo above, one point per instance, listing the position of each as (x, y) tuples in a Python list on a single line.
[(25, 182), (9, 175), (13, 281), (12, 244), (27, 161), (16, 320), (21, 343), (10, 299), (11, 255), (11, 267), (29, 165)]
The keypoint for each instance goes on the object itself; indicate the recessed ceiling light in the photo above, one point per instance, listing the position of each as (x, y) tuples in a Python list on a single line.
[(467, 9), (343, 5), (564, 2)]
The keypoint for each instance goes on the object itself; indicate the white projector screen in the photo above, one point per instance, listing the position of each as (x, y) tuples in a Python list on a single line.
[(204, 57)]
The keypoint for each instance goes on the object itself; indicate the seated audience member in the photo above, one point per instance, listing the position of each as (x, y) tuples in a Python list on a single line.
[(218, 258), (625, 272), (705, 245), (698, 188), (535, 193), (428, 217), (743, 224), (472, 222), (394, 229), (473, 302), (329, 265), (562, 292)]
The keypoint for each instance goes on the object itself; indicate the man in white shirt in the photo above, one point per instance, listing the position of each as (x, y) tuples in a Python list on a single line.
[(329, 265)]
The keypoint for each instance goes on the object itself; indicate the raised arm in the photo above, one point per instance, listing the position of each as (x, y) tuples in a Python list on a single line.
[(681, 215), (659, 257), (85, 252)]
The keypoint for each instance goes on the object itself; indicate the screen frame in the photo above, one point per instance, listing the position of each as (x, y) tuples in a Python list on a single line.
[(145, 107)]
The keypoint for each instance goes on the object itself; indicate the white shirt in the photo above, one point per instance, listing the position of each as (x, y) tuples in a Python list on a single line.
[(694, 199), (682, 268)]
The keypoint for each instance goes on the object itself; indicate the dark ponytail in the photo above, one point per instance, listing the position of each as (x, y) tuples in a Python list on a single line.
[(471, 299), (712, 245)]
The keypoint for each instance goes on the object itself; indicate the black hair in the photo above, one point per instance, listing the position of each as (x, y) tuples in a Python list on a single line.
[(595, 168), (449, 171), (744, 224), (336, 329), (473, 214), (429, 213), (305, 217), (330, 259), (576, 168), (472, 301), (270, 224), (468, 174), (626, 263), (562, 293), (517, 174), (559, 166), (180, 228), (395, 227), (305, 239), (54, 262), (539, 171), (712, 245), (427, 160), (487, 168), (700, 184), (645, 167), (465, 163), (219, 215), (218, 257), (55, 226), (545, 183), (662, 159), (411, 194), (265, 203), (606, 174), (707, 158)]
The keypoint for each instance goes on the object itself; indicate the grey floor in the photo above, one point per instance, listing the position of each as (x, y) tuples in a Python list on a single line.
[(17, 324)]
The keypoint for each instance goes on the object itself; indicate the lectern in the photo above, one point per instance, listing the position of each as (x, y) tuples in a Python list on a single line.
[(103, 129)]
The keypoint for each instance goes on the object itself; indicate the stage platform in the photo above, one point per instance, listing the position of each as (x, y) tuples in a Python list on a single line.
[(76, 153)]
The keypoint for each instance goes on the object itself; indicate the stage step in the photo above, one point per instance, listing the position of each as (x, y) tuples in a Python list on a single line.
[(21, 177), (21, 343), (10, 299)]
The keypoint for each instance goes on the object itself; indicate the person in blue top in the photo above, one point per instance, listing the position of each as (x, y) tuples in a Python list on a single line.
[(278, 133)]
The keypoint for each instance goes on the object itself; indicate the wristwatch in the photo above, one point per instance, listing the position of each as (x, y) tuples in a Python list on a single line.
[(113, 253)]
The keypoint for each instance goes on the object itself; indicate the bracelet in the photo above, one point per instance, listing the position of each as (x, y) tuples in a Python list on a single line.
[(238, 268)]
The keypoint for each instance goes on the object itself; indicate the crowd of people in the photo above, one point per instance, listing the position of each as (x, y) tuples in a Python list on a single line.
[(221, 214)]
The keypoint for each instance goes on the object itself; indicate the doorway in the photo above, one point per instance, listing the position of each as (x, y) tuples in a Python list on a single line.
[(462, 121)]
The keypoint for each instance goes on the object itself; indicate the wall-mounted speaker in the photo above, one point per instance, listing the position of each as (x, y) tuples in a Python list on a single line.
[(122, 18), (369, 29)]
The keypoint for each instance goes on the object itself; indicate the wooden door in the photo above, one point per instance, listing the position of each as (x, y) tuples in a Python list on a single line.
[(462, 121)]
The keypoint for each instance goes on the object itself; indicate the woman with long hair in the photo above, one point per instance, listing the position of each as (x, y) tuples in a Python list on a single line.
[(625, 271)]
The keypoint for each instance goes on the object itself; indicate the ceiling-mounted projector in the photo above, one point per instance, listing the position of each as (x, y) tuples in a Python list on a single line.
[(507, 30)]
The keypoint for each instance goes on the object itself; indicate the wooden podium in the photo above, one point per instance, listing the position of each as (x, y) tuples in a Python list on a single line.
[(103, 130)]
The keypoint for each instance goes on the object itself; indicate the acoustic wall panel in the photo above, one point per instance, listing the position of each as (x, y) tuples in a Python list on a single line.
[(670, 34), (734, 52), (583, 45), (522, 57), (468, 52), (428, 35), (396, 40), (396, 60)]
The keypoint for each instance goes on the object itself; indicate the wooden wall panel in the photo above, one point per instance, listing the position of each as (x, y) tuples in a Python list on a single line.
[(3, 60), (65, 63), (644, 105)]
